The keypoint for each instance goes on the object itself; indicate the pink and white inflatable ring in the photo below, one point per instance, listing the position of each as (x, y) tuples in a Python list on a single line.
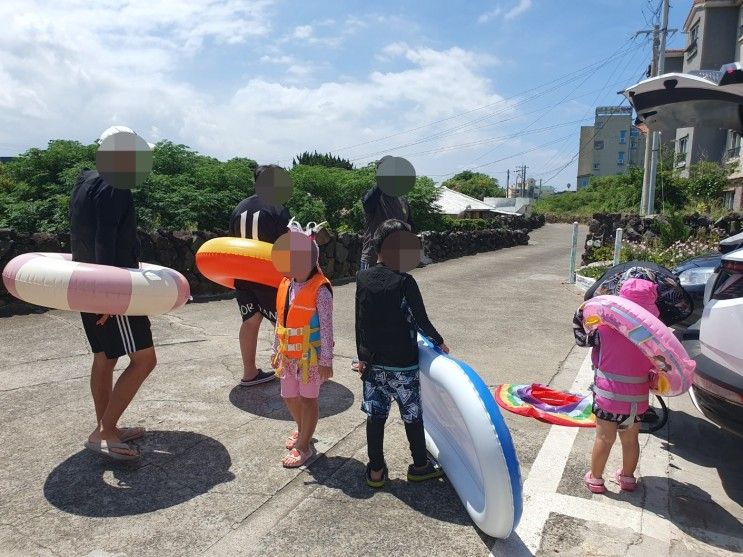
[(53, 280), (674, 369)]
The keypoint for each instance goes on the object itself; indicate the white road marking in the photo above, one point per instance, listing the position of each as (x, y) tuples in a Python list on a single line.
[(543, 479), (541, 497)]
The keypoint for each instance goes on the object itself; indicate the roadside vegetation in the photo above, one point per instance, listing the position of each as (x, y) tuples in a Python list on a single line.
[(701, 192)]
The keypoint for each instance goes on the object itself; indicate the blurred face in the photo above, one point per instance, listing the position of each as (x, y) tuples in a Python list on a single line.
[(395, 176), (295, 255), (273, 185), (124, 160), (401, 251)]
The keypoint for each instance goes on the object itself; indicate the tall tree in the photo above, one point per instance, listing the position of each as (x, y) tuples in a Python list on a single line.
[(322, 159)]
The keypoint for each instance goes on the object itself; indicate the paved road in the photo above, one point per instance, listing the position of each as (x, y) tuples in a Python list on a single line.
[(210, 482)]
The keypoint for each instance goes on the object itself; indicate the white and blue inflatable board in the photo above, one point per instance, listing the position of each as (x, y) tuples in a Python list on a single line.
[(466, 434)]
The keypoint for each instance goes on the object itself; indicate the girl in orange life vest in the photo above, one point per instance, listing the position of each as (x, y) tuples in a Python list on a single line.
[(303, 341)]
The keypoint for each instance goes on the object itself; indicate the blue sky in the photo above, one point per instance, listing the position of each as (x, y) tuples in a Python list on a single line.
[(450, 85)]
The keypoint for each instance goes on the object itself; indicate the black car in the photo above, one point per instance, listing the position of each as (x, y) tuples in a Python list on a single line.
[(694, 274)]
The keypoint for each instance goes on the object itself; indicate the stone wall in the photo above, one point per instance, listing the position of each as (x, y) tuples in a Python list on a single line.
[(602, 228), (339, 253)]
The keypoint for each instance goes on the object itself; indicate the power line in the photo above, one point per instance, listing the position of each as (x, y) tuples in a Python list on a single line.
[(428, 139), (506, 157), (523, 131), (467, 126), (564, 78), (606, 84), (566, 97), (490, 139), (572, 159)]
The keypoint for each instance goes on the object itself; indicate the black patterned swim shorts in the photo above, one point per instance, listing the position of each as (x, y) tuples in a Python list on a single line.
[(381, 385)]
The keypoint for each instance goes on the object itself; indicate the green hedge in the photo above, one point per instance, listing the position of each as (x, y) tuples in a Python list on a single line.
[(190, 191)]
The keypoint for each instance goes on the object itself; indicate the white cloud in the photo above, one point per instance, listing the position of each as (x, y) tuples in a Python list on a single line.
[(512, 13), (395, 49), (279, 59), (67, 69), (293, 118), (490, 16), (518, 9), (299, 70), (71, 72), (303, 32)]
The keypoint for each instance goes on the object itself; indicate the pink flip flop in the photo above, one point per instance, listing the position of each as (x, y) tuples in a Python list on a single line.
[(595, 485), (297, 458), (131, 433), (292, 440), (626, 483)]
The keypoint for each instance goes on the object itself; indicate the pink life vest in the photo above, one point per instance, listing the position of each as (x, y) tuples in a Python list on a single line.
[(621, 370)]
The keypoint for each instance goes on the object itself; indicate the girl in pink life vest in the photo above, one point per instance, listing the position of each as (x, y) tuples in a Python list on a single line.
[(621, 388)]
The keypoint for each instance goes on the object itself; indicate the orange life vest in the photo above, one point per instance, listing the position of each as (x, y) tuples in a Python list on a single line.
[(298, 326)]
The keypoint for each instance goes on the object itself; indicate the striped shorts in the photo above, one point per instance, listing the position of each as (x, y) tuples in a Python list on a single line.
[(119, 335)]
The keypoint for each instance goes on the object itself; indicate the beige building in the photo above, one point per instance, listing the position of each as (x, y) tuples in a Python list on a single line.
[(610, 146)]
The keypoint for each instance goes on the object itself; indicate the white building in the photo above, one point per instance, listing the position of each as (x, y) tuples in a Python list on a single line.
[(459, 205)]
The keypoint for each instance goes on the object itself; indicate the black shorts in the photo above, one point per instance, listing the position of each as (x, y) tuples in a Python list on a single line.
[(119, 335), (611, 417), (255, 298)]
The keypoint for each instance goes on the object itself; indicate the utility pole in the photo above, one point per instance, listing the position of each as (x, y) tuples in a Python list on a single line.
[(540, 189), (652, 140), (523, 180), (656, 135), (508, 181), (650, 137)]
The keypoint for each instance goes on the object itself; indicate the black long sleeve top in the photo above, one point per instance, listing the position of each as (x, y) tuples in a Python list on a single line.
[(103, 223), (389, 310)]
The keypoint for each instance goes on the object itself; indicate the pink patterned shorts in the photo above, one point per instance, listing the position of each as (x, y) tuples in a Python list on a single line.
[(292, 385)]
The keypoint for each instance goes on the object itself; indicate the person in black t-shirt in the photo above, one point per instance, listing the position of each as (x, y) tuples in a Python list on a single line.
[(103, 230), (379, 207), (255, 218), (389, 310)]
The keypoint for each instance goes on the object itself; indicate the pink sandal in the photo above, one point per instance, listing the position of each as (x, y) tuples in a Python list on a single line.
[(626, 483), (595, 485), (297, 458), (292, 440)]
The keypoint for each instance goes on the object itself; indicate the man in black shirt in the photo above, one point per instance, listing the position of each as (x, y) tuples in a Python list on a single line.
[(103, 230), (257, 219), (379, 207)]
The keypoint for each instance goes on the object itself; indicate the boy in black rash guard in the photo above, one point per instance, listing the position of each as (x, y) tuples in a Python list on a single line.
[(389, 309)]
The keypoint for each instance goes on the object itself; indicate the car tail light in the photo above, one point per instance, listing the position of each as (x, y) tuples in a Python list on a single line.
[(729, 283), (734, 266), (716, 389)]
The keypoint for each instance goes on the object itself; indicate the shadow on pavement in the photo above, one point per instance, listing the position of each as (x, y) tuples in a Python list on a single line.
[(21, 308), (689, 507), (701, 442), (89, 484), (265, 400), (436, 498)]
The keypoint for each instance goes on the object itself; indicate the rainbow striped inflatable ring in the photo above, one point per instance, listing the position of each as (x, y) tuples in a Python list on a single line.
[(223, 260), (53, 280), (674, 368), (546, 404)]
